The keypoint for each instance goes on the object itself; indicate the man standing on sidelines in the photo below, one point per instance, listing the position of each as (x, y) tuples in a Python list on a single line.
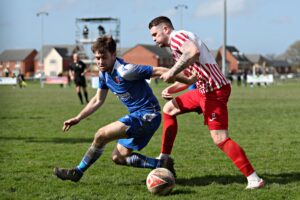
[(134, 130), (77, 73), (210, 97)]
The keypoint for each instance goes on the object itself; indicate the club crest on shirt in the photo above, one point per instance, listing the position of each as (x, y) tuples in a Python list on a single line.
[(117, 79)]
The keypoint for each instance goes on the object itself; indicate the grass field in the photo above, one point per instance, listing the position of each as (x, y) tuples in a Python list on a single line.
[(264, 121)]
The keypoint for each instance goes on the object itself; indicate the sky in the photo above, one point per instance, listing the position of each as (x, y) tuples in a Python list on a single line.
[(253, 26)]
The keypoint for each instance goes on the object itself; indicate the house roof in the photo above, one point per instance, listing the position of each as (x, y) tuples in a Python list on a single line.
[(70, 48), (280, 63), (236, 54), (63, 52), (121, 51), (254, 58), (15, 54), (160, 52)]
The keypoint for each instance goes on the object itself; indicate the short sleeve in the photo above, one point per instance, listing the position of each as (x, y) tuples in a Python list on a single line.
[(177, 40), (135, 72)]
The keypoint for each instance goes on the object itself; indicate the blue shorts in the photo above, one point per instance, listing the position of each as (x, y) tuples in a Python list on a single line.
[(141, 127)]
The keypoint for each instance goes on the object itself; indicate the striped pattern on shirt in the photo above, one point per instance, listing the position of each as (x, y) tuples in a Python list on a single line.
[(207, 71)]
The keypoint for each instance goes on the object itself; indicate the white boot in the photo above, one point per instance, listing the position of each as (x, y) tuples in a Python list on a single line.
[(254, 182)]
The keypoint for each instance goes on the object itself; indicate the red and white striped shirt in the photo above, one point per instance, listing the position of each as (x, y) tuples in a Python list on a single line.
[(207, 71)]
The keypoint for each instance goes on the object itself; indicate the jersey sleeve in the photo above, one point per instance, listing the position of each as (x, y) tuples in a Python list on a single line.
[(178, 40), (132, 72), (102, 83)]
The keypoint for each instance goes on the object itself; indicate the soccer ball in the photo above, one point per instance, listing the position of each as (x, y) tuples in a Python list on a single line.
[(160, 181)]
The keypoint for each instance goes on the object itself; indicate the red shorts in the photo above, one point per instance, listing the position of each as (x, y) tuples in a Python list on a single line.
[(213, 105)]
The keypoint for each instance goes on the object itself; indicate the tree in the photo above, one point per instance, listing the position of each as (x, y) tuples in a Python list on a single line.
[(292, 55)]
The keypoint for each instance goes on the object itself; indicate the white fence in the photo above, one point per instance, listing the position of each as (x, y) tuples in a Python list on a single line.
[(8, 81), (260, 79)]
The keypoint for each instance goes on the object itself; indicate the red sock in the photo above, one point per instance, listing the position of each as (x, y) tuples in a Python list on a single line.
[(169, 133), (237, 155)]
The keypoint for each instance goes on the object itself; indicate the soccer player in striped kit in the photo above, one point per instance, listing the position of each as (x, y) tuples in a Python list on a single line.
[(192, 56)]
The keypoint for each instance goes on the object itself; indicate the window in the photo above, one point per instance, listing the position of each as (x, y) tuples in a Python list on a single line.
[(53, 61), (18, 64)]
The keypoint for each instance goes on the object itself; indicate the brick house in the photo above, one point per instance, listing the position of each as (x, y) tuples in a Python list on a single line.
[(262, 64), (57, 61), (18, 61), (60, 57), (149, 55), (235, 60)]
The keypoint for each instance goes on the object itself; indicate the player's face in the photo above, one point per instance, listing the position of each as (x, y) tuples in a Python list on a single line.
[(160, 35), (105, 61), (75, 57)]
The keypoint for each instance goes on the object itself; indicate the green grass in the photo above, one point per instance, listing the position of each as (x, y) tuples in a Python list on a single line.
[(264, 121)]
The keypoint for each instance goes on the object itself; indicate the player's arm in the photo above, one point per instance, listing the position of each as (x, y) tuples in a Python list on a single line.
[(85, 69), (180, 77), (71, 74), (172, 89), (190, 54), (95, 103)]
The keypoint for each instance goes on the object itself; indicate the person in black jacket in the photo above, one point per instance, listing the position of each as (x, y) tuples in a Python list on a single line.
[(77, 71)]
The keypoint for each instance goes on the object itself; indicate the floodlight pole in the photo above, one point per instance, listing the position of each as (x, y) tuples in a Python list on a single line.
[(42, 14), (224, 67), (180, 7)]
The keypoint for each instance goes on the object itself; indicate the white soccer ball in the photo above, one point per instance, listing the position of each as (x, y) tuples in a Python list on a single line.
[(160, 181)]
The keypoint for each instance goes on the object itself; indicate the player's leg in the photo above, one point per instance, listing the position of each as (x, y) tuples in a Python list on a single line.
[(170, 126), (141, 127), (108, 133), (232, 150), (78, 91), (104, 135), (85, 90), (139, 132), (236, 153), (85, 94), (187, 102), (216, 117), (124, 156)]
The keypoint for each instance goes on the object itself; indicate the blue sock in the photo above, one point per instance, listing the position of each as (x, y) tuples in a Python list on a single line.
[(89, 158), (141, 161)]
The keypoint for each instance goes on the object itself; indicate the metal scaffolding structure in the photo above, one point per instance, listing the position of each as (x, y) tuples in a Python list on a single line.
[(89, 29)]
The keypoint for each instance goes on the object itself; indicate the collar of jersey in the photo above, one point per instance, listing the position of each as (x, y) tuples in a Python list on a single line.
[(171, 35), (118, 62)]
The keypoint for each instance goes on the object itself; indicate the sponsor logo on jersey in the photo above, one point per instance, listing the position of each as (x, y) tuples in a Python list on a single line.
[(117, 80), (213, 117)]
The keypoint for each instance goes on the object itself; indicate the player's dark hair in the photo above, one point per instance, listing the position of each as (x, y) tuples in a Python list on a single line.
[(104, 43), (159, 20)]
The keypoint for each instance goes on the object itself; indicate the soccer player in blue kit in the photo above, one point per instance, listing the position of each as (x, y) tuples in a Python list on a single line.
[(134, 130)]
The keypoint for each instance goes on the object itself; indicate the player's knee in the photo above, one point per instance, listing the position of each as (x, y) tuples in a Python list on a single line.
[(169, 108), (100, 138), (219, 136)]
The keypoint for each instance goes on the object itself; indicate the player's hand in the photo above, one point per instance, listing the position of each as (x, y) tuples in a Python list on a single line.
[(167, 77), (166, 95), (69, 123), (192, 78)]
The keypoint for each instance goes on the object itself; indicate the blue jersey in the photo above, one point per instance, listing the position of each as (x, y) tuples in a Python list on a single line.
[(127, 82)]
